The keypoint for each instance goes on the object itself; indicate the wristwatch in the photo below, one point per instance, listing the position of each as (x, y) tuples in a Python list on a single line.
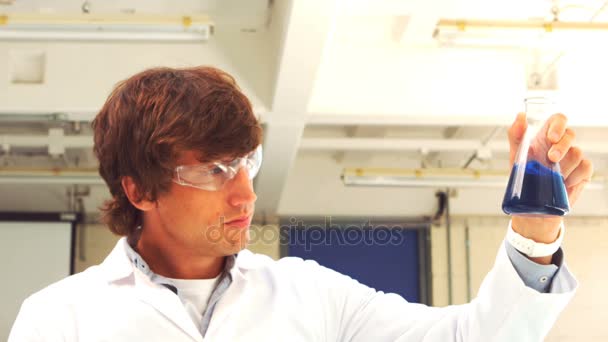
[(532, 248)]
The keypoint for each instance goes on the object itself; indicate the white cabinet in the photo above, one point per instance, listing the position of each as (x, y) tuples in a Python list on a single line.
[(32, 255)]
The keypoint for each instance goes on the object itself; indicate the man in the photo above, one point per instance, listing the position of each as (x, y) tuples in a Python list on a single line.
[(178, 149)]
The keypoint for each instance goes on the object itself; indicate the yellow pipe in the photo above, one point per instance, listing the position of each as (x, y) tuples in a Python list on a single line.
[(423, 172), (461, 25), (108, 19), (6, 171), (435, 172)]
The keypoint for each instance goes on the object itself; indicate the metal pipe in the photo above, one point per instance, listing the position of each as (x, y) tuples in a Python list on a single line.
[(40, 176), (82, 252), (449, 245), (484, 143), (29, 140), (384, 144), (467, 246), (416, 145), (437, 178), (332, 119), (33, 117), (545, 26), (78, 20)]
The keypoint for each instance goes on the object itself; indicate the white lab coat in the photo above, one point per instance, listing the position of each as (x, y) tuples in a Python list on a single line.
[(283, 300)]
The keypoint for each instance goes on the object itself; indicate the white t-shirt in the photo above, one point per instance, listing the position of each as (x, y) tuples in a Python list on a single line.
[(194, 294)]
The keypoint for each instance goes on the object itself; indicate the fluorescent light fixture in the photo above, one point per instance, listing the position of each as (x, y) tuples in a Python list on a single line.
[(423, 177), (435, 178), (535, 34), (96, 27)]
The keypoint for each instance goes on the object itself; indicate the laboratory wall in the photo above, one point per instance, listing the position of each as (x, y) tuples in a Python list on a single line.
[(585, 248)]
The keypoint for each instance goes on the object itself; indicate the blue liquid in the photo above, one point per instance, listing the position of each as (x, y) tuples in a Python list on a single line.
[(543, 192)]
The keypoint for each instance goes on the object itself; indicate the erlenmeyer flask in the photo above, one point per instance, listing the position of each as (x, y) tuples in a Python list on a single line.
[(536, 186)]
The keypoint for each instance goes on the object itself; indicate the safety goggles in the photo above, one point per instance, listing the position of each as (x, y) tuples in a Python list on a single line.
[(212, 176)]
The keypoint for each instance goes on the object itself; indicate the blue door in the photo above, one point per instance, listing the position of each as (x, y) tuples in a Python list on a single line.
[(385, 257)]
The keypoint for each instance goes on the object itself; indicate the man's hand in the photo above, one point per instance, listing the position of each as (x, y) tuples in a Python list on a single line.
[(577, 172)]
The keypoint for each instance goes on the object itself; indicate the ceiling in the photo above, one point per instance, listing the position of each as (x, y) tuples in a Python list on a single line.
[(354, 82)]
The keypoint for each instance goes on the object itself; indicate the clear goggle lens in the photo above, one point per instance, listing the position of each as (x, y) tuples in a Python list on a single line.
[(213, 176)]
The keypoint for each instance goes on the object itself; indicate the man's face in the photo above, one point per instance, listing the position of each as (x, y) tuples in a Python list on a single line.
[(211, 223)]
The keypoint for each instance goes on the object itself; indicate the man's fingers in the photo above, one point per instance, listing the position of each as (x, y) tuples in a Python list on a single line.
[(561, 147), (577, 180), (574, 192), (582, 173), (570, 162), (557, 127)]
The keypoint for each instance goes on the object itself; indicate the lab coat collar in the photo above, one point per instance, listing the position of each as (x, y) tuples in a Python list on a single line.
[(118, 267), (117, 264)]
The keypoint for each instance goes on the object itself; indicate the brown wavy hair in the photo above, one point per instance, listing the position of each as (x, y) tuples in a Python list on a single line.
[(151, 117)]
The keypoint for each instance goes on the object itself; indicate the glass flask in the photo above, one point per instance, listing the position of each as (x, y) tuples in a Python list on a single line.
[(536, 186)]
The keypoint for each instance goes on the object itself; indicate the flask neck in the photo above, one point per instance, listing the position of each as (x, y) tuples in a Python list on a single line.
[(538, 110)]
